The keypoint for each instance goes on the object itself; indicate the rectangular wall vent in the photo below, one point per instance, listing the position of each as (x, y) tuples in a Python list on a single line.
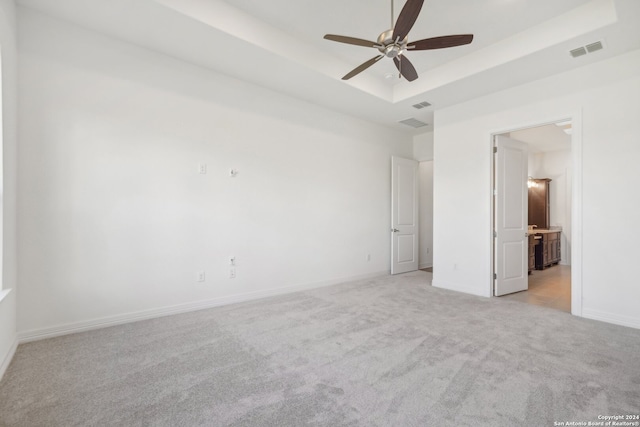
[(594, 47), (578, 52), (583, 50), (421, 105), (413, 122)]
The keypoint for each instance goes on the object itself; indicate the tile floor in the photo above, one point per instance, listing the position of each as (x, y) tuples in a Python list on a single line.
[(548, 288)]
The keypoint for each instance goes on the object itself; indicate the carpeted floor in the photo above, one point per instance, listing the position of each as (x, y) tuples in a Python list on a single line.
[(391, 351)]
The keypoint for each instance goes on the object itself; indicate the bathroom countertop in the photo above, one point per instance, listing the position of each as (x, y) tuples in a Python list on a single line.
[(551, 230)]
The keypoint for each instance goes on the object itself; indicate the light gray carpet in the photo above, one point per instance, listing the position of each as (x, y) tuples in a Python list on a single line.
[(391, 351)]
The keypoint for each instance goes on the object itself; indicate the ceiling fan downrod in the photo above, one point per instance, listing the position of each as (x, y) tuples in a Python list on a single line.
[(392, 14)]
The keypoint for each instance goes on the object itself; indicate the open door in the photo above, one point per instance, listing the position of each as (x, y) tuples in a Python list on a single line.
[(404, 215), (511, 216)]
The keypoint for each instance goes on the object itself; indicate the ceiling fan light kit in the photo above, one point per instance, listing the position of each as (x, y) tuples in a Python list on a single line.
[(394, 43)]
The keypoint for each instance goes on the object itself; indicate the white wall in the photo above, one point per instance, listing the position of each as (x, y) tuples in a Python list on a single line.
[(556, 165), (423, 147), (8, 184), (604, 98), (423, 152), (426, 214), (116, 220)]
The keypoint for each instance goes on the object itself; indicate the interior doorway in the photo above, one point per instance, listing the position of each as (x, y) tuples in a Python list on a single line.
[(550, 218), (425, 170)]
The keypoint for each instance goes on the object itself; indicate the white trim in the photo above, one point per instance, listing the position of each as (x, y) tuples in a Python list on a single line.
[(4, 293), (492, 213), (70, 328), (576, 215), (616, 319), (424, 159), (7, 359), (472, 290)]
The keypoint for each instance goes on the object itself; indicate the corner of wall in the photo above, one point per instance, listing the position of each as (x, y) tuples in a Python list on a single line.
[(423, 147), (8, 37), (8, 336), (4, 365)]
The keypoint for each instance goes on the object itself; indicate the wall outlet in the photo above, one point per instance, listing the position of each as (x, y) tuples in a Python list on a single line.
[(200, 276), (202, 168), (232, 260), (232, 273), (368, 257)]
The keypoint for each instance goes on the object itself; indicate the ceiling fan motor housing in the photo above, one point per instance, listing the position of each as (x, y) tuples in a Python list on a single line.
[(389, 47), (393, 43)]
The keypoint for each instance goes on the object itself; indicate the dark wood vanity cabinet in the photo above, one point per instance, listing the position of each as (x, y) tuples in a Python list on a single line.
[(532, 252), (547, 252), (539, 203)]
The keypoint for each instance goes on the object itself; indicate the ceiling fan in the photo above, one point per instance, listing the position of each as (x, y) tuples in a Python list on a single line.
[(393, 43)]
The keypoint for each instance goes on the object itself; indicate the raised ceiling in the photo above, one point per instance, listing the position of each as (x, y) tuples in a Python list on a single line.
[(278, 44), (368, 19)]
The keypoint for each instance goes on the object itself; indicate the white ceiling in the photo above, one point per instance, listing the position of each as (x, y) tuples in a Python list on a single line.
[(368, 20), (278, 44), (542, 139)]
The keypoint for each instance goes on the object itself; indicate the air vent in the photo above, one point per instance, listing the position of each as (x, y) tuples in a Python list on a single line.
[(422, 105), (578, 52), (590, 48), (594, 47), (415, 123)]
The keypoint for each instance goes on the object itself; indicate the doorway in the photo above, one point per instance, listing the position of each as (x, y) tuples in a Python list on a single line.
[(425, 170), (549, 240)]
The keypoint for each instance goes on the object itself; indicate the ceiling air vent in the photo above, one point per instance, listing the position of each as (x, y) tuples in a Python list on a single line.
[(413, 122), (593, 47), (421, 105), (578, 52), (590, 48)]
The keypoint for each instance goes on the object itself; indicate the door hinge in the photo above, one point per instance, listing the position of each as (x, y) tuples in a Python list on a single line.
[(495, 149), (495, 234), (495, 276)]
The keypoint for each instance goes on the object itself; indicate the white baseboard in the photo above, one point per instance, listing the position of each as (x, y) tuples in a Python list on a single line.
[(421, 266), (458, 288), (616, 319), (4, 293), (71, 328), (7, 358)]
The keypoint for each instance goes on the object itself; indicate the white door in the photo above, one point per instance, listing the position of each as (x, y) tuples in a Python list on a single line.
[(404, 215), (511, 216)]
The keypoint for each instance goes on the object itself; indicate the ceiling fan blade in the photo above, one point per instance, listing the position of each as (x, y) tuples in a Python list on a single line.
[(350, 40), (363, 67), (441, 42), (407, 18), (405, 67)]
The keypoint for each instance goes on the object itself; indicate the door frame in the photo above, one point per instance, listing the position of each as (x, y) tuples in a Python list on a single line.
[(576, 199)]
